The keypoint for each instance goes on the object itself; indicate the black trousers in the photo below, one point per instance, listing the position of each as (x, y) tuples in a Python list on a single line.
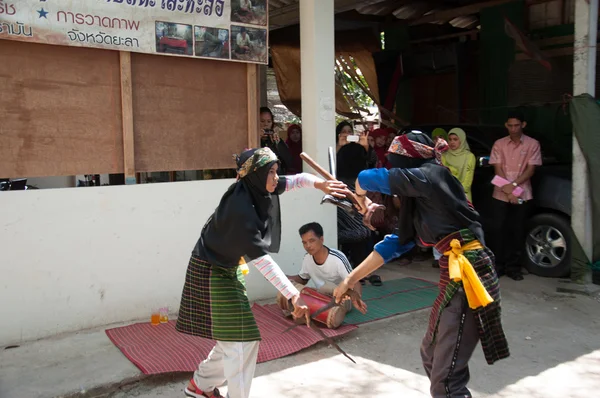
[(508, 234), (357, 252), (446, 361)]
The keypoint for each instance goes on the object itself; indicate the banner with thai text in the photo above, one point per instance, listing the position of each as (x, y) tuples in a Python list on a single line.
[(219, 29)]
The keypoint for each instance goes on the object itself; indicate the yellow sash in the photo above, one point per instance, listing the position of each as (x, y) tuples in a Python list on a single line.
[(243, 266), (461, 269)]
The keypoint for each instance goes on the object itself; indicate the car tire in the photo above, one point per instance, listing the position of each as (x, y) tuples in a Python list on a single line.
[(548, 245)]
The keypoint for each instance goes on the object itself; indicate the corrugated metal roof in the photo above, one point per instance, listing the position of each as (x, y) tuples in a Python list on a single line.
[(402, 10)]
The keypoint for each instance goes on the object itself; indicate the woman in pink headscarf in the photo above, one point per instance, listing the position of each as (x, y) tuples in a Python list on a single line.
[(381, 147), (294, 143)]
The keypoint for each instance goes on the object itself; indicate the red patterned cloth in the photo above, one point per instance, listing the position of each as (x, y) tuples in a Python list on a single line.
[(412, 149), (161, 349)]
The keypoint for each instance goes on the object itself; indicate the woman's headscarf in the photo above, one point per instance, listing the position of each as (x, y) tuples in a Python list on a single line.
[(412, 150), (295, 150), (381, 151), (457, 160), (439, 132), (415, 149), (247, 221)]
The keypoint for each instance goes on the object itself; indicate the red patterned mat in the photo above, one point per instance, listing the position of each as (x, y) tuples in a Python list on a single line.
[(161, 349)]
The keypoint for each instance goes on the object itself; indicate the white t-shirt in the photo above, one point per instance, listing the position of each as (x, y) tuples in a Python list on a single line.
[(335, 268)]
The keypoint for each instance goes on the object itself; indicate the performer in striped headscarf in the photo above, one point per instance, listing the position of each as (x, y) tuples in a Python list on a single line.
[(435, 211), (214, 305)]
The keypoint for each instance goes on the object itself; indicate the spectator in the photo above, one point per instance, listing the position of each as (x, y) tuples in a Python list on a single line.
[(460, 160), (270, 138), (438, 133), (371, 141), (354, 238), (325, 267), (391, 134), (380, 148), (514, 158), (294, 143), (343, 130)]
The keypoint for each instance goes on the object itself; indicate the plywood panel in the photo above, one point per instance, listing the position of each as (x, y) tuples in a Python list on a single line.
[(189, 114), (60, 111)]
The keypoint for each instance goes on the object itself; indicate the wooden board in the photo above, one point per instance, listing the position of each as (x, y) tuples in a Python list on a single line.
[(60, 111), (252, 105), (189, 114), (127, 115)]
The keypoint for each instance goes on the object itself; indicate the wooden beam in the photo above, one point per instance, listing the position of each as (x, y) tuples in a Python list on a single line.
[(444, 37), (253, 104), (557, 52), (447, 15), (127, 117)]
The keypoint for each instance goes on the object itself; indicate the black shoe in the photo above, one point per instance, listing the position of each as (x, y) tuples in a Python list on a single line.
[(517, 276), (500, 273), (435, 264)]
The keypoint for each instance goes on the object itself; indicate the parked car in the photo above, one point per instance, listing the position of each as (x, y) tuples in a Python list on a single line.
[(549, 235), (19, 184)]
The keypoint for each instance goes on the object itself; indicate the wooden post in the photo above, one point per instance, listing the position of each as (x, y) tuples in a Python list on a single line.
[(253, 105), (127, 112)]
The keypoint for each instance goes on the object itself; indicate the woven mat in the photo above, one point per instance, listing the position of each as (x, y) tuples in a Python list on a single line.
[(394, 297), (161, 349)]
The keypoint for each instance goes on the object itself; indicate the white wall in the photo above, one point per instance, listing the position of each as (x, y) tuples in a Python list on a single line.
[(77, 258)]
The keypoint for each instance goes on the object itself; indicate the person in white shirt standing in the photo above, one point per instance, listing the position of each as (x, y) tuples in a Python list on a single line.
[(325, 267)]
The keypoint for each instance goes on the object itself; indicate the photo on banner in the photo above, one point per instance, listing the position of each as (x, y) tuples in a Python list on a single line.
[(174, 38), (249, 12), (249, 44), (211, 42)]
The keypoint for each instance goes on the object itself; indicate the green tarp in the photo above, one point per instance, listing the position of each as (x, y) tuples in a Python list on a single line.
[(585, 116)]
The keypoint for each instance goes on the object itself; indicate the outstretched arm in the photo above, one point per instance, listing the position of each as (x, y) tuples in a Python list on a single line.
[(273, 273), (304, 180), (370, 264)]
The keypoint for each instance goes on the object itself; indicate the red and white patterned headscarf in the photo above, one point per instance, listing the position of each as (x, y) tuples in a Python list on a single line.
[(403, 146)]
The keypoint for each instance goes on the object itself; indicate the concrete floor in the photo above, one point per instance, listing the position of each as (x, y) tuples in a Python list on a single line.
[(554, 340)]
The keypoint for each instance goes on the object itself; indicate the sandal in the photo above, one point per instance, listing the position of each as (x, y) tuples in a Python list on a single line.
[(375, 280), (198, 393)]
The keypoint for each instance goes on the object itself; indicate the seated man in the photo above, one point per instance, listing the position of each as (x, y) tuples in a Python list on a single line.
[(324, 266)]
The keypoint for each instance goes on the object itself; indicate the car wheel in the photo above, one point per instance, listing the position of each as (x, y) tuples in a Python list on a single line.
[(548, 246)]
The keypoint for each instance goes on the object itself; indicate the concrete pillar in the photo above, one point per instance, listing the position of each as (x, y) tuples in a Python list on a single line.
[(584, 81), (318, 92), (318, 86)]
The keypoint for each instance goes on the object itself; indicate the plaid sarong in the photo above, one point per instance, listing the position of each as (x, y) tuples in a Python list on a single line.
[(488, 318), (214, 304)]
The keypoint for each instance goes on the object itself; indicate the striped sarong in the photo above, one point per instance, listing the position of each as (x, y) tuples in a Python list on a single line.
[(488, 318), (214, 304)]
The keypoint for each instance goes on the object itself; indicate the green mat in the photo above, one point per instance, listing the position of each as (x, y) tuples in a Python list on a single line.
[(394, 297)]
